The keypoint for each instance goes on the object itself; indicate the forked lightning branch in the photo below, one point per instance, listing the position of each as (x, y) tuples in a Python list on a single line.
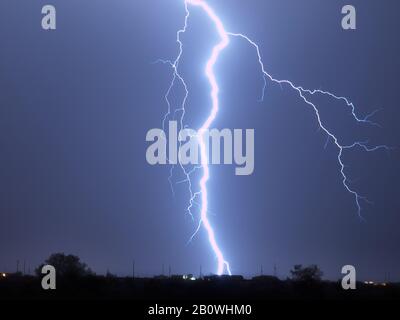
[(193, 145)]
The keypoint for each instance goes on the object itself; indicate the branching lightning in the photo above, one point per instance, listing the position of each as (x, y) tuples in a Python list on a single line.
[(303, 93)]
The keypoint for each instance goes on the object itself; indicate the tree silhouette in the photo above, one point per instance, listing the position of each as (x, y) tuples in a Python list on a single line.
[(311, 273), (68, 266)]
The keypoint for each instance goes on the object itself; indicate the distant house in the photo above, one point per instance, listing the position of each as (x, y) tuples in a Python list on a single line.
[(176, 277), (223, 278)]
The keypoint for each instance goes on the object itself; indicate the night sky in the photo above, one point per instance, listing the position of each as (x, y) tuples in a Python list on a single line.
[(76, 104)]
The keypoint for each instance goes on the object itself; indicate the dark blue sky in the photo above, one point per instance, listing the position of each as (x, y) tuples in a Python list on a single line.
[(76, 104)]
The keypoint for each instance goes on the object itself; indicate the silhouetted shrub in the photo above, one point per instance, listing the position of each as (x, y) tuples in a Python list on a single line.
[(67, 266), (311, 273)]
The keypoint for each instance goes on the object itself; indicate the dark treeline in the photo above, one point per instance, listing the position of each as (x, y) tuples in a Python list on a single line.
[(75, 280)]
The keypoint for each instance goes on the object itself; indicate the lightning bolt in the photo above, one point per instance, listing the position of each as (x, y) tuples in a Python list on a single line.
[(303, 93)]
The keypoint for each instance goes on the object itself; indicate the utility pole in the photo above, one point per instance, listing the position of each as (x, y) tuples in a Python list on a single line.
[(17, 266), (24, 266), (275, 271), (163, 269), (201, 273), (388, 277), (169, 271), (261, 271)]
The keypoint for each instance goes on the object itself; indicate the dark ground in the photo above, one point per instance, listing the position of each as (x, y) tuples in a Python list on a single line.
[(176, 289)]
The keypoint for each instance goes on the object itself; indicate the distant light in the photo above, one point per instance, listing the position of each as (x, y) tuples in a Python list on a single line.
[(3, 275), (192, 278), (185, 277)]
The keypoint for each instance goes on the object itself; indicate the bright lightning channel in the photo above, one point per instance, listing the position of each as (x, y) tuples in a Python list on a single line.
[(304, 94)]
